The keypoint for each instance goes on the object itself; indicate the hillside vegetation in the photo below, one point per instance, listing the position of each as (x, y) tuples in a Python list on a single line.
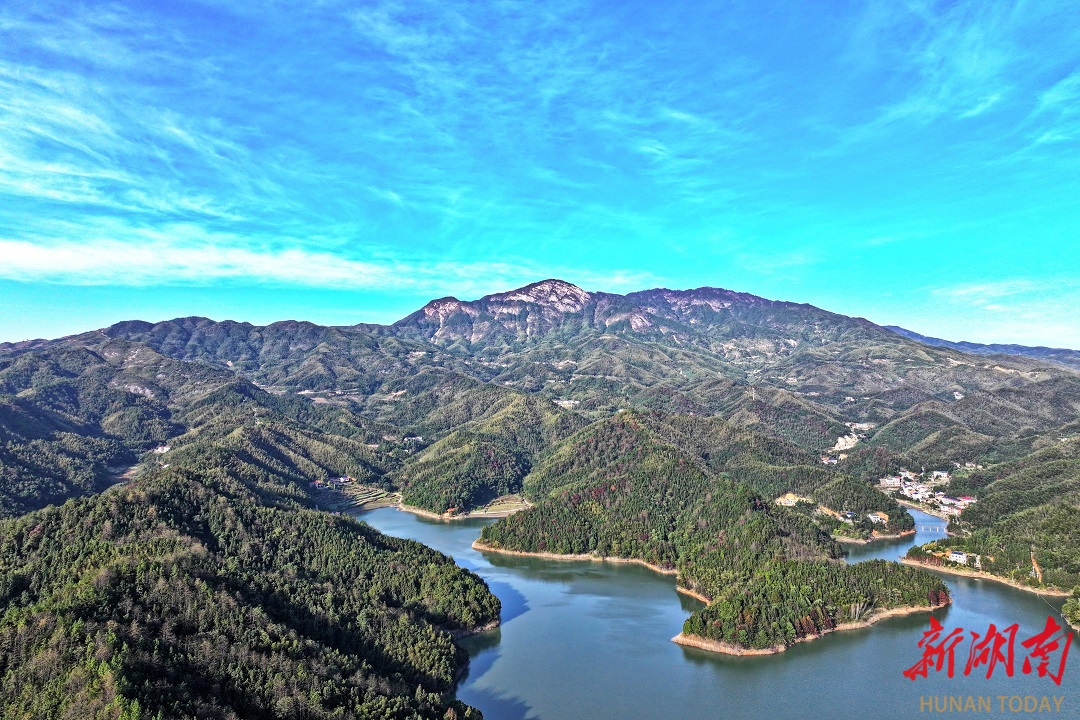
[(206, 587), (625, 492)]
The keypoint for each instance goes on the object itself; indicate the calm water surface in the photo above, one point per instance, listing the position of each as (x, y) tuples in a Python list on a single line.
[(593, 641)]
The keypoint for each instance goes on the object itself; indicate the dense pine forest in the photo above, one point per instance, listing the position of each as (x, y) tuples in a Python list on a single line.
[(184, 596)]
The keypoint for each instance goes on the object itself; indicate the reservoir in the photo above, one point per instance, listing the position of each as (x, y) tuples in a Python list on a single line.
[(584, 640)]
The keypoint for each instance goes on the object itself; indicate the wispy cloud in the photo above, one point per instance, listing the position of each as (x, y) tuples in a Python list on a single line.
[(982, 292), (189, 255), (1023, 298), (953, 62), (1056, 117)]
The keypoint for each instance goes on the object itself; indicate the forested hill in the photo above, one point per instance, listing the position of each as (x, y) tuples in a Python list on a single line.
[(484, 390), (206, 590), (1024, 526), (72, 418), (790, 370), (620, 489), (486, 457), (204, 586)]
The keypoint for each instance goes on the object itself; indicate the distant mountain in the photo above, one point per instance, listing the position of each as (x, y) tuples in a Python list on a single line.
[(1064, 356), (787, 370)]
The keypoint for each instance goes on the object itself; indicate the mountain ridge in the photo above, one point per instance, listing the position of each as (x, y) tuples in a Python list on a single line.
[(1065, 356), (657, 308)]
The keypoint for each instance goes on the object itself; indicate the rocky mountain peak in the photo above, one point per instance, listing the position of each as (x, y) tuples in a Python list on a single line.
[(556, 294), (441, 308)]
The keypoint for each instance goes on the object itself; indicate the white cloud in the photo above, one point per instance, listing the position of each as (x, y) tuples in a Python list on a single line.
[(188, 255), (1018, 310), (983, 292), (982, 106), (158, 261)]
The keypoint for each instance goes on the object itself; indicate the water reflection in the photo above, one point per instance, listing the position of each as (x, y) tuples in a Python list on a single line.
[(513, 602)]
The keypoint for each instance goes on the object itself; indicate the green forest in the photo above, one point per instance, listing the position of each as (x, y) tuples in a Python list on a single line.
[(632, 495), (207, 587), (192, 594)]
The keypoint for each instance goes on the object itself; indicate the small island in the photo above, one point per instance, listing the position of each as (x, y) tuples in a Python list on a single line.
[(703, 643)]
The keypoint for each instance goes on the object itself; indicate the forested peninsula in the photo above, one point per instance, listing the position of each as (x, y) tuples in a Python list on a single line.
[(772, 577)]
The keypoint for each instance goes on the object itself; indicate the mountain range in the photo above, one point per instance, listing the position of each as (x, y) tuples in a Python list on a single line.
[(1058, 355), (657, 425)]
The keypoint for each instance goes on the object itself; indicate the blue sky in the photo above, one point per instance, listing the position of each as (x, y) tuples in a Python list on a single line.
[(913, 163)]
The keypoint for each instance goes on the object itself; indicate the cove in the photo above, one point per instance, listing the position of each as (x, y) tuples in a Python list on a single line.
[(592, 641)]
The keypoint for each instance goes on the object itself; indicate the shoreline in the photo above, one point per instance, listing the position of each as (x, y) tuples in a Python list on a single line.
[(466, 632), (982, 575), (703, 643), (478, 545), (471, 515), (347, 506), (936, 513), (875, 538), (693, 594), (463, 669)]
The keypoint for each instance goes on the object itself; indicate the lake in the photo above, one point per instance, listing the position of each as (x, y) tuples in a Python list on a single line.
[(592, 640)]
